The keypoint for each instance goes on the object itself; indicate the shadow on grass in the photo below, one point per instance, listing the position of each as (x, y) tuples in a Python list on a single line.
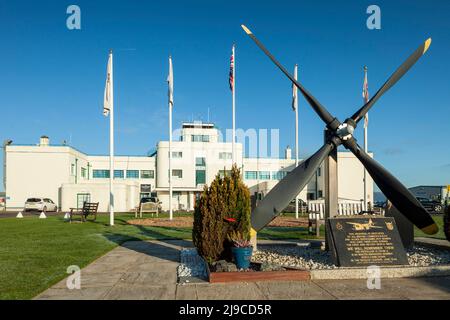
[(165, 248)]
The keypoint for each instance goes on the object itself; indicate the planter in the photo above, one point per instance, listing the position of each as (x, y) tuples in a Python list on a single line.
[(242, 256), (253, 276)]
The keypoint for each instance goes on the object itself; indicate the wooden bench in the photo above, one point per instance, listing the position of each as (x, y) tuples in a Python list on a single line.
[(147, 207), (89, 208)]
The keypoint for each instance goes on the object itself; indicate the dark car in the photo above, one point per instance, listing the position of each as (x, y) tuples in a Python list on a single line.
[(431, 206), (302, 206)]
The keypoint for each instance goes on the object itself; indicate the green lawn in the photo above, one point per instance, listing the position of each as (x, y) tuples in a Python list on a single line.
[(438, 218), (35, 253)]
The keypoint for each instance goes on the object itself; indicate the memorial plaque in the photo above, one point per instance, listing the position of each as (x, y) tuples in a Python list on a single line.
[(363, 241)]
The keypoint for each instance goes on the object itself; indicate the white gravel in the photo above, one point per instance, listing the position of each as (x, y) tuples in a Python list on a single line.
[(309, 258), (301, 257), (191, 265)]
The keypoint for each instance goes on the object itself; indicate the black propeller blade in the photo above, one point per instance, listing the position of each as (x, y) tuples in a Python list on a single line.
[(393, 79), (329, 120), (280, 196), (394, 190), (284, 191)]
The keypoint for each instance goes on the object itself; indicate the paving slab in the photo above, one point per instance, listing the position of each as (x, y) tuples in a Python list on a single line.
[(293, 290), (186, 292), (235, 291), (125, 291)]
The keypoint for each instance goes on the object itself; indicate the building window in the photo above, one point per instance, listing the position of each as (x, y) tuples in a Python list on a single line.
[(176, 154), (225, 155), (72, 169), (223, 173), (319, 171), (200, 138), (278, 175), (132, 174), (147, 174), (264, 175), (200, 177), (320, 194), (177, 173), (176, 194), (100, 173), (118, 174), (251, 175), (200, 162), (83, 172)]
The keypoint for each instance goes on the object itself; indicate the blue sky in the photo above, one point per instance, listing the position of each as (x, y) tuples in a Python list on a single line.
[(52, 78)]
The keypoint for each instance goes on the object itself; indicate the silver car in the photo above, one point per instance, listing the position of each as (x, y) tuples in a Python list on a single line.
[(40, 204)]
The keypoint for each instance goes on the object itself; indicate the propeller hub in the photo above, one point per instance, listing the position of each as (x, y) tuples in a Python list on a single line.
[(345, 131)]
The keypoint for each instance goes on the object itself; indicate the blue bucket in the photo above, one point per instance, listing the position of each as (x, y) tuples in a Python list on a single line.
[(242, 256)]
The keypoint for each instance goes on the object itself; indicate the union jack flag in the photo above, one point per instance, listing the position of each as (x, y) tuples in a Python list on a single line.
[(365, 92), (231, 75)]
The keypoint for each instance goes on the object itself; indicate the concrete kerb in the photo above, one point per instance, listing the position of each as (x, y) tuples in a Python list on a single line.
[(386, 272)]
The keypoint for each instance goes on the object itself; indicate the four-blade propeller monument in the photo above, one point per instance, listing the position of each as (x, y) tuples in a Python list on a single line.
[(342, 134)]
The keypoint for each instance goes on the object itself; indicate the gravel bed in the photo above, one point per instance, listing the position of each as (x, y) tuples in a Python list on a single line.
[(191, 264), (302, 257), (311, 258)]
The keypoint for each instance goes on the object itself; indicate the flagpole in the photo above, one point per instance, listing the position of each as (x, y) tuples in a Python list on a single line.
[(111, 148), (296, 134), (234, 105), (170, 141), (366, 98)]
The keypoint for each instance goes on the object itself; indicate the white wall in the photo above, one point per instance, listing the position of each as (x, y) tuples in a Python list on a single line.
[(35, 171), (126, 195)]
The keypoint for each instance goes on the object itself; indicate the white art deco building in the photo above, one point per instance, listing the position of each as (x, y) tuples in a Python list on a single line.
[(69, 177)]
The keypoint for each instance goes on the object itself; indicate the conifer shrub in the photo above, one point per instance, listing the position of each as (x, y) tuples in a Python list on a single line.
[(223, 208)]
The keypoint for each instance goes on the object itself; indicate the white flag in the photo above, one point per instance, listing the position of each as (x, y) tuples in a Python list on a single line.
[(365, 94), (294, 92), (170, 82), (107, 98)]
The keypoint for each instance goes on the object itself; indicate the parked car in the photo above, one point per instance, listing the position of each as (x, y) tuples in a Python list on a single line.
[(302, 206), (150, 199), (431, 206), (379, 204), (40, 204)]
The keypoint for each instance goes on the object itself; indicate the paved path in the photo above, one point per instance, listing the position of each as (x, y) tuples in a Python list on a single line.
[(147, 270)]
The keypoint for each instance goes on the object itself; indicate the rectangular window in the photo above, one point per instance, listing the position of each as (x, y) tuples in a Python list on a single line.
[(264, 175), (200, 138), (132, 174), (319, 171), (83, 172), (222, 173), (200, 162), (177, 154), (200, 177), (225, 155), (278, 175), (100, 174), (177, 173), (251, 175), (320, 195), (118, 174), (147, 174), (72, 169)]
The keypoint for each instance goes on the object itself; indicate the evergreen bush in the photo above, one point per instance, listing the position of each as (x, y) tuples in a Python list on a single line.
[(223, 208)]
